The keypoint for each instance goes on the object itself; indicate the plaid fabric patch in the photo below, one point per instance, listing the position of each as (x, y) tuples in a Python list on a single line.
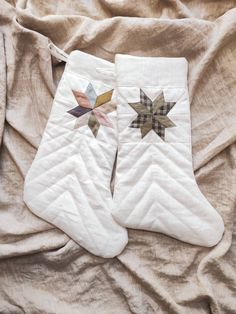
[(164, 110), (158, 128), (157, 119), (140, 120), (145, 100)]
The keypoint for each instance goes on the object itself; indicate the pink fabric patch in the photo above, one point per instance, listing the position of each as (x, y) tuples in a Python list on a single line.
[(102, 118), (82, 99)]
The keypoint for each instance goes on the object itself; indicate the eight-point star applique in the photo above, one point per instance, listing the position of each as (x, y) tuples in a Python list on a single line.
[(92, 109), (152, 115)]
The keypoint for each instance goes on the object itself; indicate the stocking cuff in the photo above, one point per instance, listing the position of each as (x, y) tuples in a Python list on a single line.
[(151, 71), (91, 67)]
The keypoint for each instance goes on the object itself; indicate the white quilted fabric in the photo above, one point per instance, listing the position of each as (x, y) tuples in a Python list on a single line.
[(155, 187), (68, 183)]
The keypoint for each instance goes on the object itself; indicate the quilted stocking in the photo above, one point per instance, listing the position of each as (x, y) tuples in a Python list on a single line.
[(68, 183), (155, 187)]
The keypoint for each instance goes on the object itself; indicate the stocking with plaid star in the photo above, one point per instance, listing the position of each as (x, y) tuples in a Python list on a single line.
[(155, 187)]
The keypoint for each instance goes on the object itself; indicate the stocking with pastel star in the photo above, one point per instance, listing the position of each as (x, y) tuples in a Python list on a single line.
[(68, 184)]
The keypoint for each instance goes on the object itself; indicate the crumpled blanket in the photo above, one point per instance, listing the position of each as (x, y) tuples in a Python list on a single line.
[(41, 269)]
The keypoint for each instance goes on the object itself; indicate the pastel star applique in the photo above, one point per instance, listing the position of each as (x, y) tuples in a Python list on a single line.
[(92, 110), (152, 115)]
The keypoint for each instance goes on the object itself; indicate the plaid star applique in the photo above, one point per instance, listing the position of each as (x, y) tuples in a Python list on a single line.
[(92, 110), (152, 115)]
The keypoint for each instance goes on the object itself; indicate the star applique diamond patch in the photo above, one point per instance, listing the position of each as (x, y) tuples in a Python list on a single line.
[(152, 115), (92, 110)]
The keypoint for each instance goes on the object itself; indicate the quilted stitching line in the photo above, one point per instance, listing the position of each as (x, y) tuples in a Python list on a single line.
[(90, 206), (39, 195), (55, 217), (180, 169), (97, 166), (62, 161), (186, 227), (137, 160), (61, 148), (178, 201), (172, 214)]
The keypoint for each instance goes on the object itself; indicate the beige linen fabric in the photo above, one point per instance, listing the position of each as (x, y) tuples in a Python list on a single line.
[(41, 269)]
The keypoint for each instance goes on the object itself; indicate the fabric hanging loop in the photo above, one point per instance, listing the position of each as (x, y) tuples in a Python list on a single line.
[(58, 53)]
